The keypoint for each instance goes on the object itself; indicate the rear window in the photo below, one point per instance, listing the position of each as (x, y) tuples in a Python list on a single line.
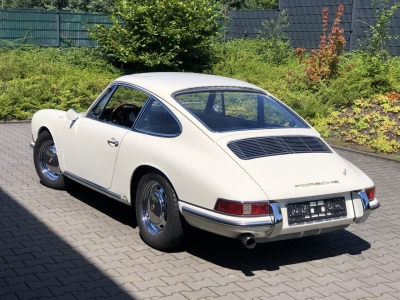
[(227, 110)]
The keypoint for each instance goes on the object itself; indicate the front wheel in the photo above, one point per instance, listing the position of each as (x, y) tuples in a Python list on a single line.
[(157, 213), (46, 162)]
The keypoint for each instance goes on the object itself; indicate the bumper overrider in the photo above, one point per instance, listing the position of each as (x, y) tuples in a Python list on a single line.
[(273, 227)]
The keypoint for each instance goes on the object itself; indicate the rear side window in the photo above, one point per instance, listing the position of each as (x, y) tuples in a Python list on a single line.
[(157, 120)]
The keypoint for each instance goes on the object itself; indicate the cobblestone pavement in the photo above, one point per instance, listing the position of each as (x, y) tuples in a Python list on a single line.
[(78, 244)]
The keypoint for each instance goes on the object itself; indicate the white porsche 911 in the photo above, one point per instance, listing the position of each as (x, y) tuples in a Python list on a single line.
[(217, 153)]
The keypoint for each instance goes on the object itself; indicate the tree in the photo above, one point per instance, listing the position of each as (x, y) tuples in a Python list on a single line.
[(159, 34), (251, 4), (94, 6)]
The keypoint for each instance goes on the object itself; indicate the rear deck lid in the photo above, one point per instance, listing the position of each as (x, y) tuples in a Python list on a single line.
[(292, 166)]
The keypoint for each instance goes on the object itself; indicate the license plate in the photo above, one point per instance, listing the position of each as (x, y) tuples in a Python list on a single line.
[(304, 212)]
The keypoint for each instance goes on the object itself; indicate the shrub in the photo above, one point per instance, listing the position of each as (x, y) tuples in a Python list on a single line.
[(375, 56), (159, 34), (356, 81), (323, 63), (33, 78), (273, 42), (372, 122)]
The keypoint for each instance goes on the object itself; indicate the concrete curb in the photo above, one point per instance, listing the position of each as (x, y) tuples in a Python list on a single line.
[(364, 153), (15, 122)]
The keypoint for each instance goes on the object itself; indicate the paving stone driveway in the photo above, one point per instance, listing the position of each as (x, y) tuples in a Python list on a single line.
[(78, 244)]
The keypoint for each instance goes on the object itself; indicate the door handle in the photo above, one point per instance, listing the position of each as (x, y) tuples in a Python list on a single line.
[(112, 142)]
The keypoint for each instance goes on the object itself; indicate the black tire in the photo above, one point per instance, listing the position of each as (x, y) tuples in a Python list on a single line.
[(161, 226), (46, 162)]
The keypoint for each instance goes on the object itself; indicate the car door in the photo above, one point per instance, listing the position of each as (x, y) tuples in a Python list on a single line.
[(91, 143)]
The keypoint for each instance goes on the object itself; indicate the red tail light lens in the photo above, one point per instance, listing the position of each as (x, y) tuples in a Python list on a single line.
[(370, 193), (242, 208)]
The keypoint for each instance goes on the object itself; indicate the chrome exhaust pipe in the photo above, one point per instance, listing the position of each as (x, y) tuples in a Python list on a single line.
[(248, 240)]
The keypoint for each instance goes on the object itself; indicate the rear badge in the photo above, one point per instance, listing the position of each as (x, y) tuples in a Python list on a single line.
[(316, 183), (344, 172)]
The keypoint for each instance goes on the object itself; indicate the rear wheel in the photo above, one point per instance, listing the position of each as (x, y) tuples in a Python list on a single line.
[(46, 162), (157, 213)]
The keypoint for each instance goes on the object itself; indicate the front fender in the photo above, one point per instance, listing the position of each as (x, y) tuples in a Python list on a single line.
[(54, 121)]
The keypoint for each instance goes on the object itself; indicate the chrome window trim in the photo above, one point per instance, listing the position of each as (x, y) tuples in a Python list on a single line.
[(109, 89), (218, 89)]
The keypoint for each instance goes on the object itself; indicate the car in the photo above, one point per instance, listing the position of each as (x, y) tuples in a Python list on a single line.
[(200, 150)]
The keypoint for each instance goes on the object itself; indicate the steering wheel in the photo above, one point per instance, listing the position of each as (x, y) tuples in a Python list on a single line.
[(118, 107)]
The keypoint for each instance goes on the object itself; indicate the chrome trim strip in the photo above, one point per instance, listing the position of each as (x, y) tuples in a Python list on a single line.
[(365, 205), (96, 187), (32, 144), (223, 221), (278, 220), (217, 89)]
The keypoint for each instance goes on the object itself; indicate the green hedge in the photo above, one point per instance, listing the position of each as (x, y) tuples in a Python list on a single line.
[(33, 78)]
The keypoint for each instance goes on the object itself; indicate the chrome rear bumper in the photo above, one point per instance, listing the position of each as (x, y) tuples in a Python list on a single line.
[(269, 227)]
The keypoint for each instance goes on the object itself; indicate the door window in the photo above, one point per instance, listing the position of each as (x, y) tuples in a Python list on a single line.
[(120, 106)]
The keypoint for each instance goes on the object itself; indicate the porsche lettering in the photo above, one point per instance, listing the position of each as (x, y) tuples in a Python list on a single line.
[(316, 183)]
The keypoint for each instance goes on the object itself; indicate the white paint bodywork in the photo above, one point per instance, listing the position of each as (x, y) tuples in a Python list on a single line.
[(199, 164)]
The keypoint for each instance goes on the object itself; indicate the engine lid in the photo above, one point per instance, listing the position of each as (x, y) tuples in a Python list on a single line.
[(295, 175)]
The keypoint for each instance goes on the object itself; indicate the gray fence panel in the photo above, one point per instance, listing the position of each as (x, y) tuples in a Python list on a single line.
[(366, 17), (247, 24), (306, 16), (305, 19)]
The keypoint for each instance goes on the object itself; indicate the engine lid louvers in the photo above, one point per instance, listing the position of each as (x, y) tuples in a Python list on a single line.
[(277, 145)]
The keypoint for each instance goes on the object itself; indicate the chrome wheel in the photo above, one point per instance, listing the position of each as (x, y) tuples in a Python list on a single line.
[(49, 161), (154, 207)]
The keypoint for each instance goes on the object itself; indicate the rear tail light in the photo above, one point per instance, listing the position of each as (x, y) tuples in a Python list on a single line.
[(242, 208), (370, 193)]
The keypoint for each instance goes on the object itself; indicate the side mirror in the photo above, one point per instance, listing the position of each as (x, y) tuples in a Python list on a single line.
[(72, 115)]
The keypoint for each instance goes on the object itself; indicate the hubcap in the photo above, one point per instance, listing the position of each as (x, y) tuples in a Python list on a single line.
[(154, 207), (49, 160)]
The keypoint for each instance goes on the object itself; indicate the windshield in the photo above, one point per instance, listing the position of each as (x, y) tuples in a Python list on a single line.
[(227, 110)]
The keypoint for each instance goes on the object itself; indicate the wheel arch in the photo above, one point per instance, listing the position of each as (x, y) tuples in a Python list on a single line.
[(44, 128), (139, 172)]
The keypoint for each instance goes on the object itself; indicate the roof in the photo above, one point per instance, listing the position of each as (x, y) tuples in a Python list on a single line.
[(166, 83)]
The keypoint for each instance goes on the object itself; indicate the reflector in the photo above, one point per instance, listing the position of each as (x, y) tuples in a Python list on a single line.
[(242, 208), (370, 193)]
